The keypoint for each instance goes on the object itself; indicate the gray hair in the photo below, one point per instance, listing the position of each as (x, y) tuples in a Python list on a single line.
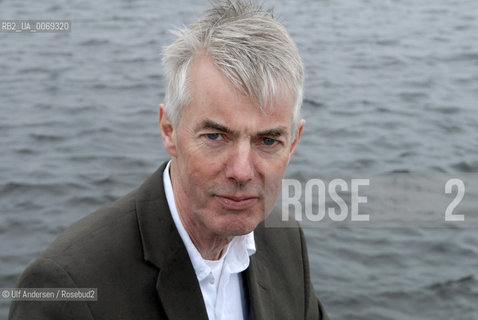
[(246, 43)]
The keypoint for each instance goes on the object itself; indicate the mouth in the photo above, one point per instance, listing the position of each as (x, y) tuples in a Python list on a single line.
[(241, 202)]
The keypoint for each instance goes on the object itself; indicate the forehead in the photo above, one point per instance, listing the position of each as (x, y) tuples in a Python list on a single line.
[(214, 96)]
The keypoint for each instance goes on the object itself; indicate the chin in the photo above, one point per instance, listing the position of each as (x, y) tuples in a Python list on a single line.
[(238, 227)]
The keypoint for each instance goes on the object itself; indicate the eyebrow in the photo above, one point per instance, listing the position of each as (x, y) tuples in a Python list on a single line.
[(276, 132), (209, 124)]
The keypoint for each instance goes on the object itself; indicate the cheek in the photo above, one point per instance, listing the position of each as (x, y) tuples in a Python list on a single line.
[(273, 185), (272, 168), (199, 177)]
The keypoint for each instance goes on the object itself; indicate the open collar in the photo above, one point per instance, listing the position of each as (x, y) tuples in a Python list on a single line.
[(177, 285)]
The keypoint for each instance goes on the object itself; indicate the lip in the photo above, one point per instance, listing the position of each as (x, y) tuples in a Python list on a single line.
[(237, 202)]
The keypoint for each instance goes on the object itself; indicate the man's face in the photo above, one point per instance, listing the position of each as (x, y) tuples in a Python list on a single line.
[(228, 158)]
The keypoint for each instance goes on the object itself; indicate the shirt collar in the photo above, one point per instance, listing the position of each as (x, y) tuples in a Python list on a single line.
[(236, 258)]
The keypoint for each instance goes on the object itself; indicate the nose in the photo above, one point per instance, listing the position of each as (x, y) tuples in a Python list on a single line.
[(240, 164)]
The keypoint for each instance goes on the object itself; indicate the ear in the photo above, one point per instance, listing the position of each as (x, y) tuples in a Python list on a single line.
[(297, 137), (168, 133)]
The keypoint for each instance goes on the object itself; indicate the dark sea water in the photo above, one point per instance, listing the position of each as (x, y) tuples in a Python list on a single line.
[(391, 89)]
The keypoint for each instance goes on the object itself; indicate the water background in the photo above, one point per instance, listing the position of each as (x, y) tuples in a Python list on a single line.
[(392, 86)]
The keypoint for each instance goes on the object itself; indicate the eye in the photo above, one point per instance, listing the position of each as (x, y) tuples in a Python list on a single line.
[(269, 141), (214, 136)]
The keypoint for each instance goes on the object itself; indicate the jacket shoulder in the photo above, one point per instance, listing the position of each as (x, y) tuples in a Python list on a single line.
[(100, 229)]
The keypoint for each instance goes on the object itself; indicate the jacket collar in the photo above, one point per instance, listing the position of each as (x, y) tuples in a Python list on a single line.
[(176, 286)]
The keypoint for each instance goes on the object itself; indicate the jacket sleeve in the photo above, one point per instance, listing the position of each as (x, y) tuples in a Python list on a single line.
[(313, 308), (45, 273)]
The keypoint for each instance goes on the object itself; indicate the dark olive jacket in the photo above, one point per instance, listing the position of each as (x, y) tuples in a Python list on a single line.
[(132, 253)]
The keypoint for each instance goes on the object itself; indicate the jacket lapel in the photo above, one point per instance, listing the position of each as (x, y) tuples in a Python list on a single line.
[(258, 285), (177, 286), (179, 291)]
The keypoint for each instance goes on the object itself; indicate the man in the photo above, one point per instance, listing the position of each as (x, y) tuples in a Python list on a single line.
[(190, 243)]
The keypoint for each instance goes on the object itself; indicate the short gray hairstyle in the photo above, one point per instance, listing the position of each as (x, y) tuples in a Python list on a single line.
[(248, 45)]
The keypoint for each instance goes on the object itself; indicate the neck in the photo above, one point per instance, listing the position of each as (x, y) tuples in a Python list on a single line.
[(210, 248)]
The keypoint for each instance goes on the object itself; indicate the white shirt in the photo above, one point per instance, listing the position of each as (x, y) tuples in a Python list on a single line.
[(220, 281)]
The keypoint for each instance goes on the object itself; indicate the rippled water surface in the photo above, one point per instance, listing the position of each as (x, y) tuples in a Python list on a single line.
[(392, 86)]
